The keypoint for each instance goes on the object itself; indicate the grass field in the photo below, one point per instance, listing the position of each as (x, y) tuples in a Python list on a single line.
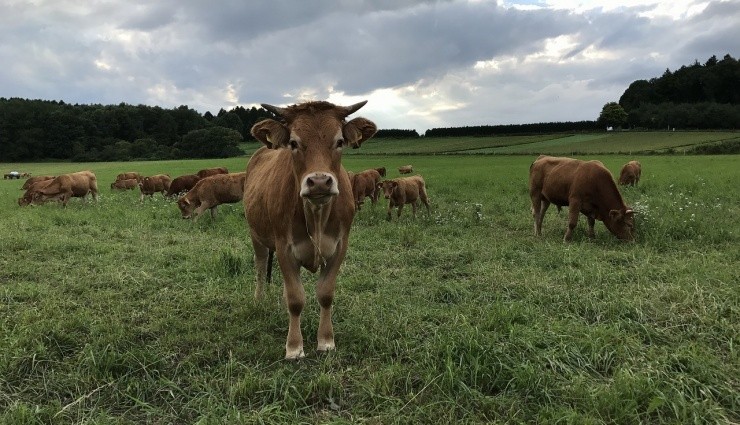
[(119, 312)]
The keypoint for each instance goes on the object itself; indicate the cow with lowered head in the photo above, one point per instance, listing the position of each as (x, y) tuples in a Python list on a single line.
[(31, 180), (586, 187), (364, 185), (182, 184), (153, 184), (63, 187), (210, 192), (212, 171), (630, 174), (298, 203)]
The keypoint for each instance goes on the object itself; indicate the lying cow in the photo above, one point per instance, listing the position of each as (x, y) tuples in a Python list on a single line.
[(27, 197), (31, 180), (630, 174), (298, 203), (182, 184), (585, 187), (364, 184), (212, 171), (405, 169), (130, 175), (157, 183), (404, 190), (126, 184), (65, 186), (210, 192)]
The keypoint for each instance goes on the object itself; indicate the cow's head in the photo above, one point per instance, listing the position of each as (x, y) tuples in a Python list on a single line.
[(25, 200), (186, 207), (622, 224), (315, 133), (388, 186)]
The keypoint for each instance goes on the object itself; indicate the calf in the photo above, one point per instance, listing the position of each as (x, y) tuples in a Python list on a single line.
[(585, 187), (130, 175), (27, 197), (182, 184), (66, 186), (210, 192), (212, 171), (630, 174), (364, 184), (405, 169), (157, 183), (30, 181), (298, 203), (126, 184), (404, 190)]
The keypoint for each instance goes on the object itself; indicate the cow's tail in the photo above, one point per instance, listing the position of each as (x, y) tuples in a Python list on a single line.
[(270, 256)]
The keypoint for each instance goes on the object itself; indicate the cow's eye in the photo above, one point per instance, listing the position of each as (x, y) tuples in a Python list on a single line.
[(340, 143), (293, 145)]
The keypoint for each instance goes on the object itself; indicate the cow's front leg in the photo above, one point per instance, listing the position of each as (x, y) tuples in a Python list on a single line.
[(295, 299), (591, 222), (400, 207), (261, 259), (325, 295), (573, 211)]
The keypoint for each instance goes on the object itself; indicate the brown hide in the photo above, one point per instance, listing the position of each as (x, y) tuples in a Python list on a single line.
[(35, 179), (182, 184), (381, 171), (364, 184), (404, 190), (157, 183), (125, 184), (405, 169), (130, 175), (27, 197), (585, 187), (210, 192), (630, 174), (65, 186), (212, 171), (298, 203)]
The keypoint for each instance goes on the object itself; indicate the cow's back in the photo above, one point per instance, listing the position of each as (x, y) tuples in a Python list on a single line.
[(553, 177)]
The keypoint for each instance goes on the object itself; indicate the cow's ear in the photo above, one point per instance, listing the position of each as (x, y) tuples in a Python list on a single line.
[(358, 131), (394, 185), (615, 215), (271, 133)]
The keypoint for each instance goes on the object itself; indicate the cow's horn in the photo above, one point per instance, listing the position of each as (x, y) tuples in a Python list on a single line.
[(274, 109), (349, 110)]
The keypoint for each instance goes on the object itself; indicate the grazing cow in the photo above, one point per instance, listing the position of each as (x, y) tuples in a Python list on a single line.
[(66, 186), (404, 190), (210, 192), (126, 184), (130, 175), (364, 184), (585, 187), (298, 202), (31, 180), (381, 171), (27, 197), (182, 184), (405, 169), (157, 183), (630, 174), (212, 171)]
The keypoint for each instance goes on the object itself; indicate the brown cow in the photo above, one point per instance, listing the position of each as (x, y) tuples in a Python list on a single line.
[(405, 169), (130, 175), (31, 180), (27, 197), (211, 192), (630, 174), (66, 186), (298, 202), (126, 184), (182, 184), (157, 183), (364, 184), (212, 171), (585, 187), (404, 190)]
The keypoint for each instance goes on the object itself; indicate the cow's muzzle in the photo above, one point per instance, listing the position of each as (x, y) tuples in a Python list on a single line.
[(319, 187)]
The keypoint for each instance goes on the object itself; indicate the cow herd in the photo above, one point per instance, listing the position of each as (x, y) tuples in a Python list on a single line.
[(299, 201)]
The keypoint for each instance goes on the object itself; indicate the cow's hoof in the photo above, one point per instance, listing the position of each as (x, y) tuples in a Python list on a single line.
[(326, 346), (295, 355)]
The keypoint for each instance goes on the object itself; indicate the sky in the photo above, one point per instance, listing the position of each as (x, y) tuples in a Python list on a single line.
[(419, 64)]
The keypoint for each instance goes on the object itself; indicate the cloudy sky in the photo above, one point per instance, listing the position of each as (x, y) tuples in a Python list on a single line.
[(420, 64)]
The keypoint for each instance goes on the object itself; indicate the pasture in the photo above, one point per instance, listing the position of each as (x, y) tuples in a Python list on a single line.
[(121, 312)]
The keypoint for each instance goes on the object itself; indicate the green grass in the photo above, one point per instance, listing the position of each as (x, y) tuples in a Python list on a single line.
[(121, 312)]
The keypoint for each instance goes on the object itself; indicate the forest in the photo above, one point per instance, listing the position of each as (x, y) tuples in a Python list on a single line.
[(695, 97)]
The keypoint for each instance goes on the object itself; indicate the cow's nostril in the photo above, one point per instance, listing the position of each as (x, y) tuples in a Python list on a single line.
[(309, 182), (328, 181)]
